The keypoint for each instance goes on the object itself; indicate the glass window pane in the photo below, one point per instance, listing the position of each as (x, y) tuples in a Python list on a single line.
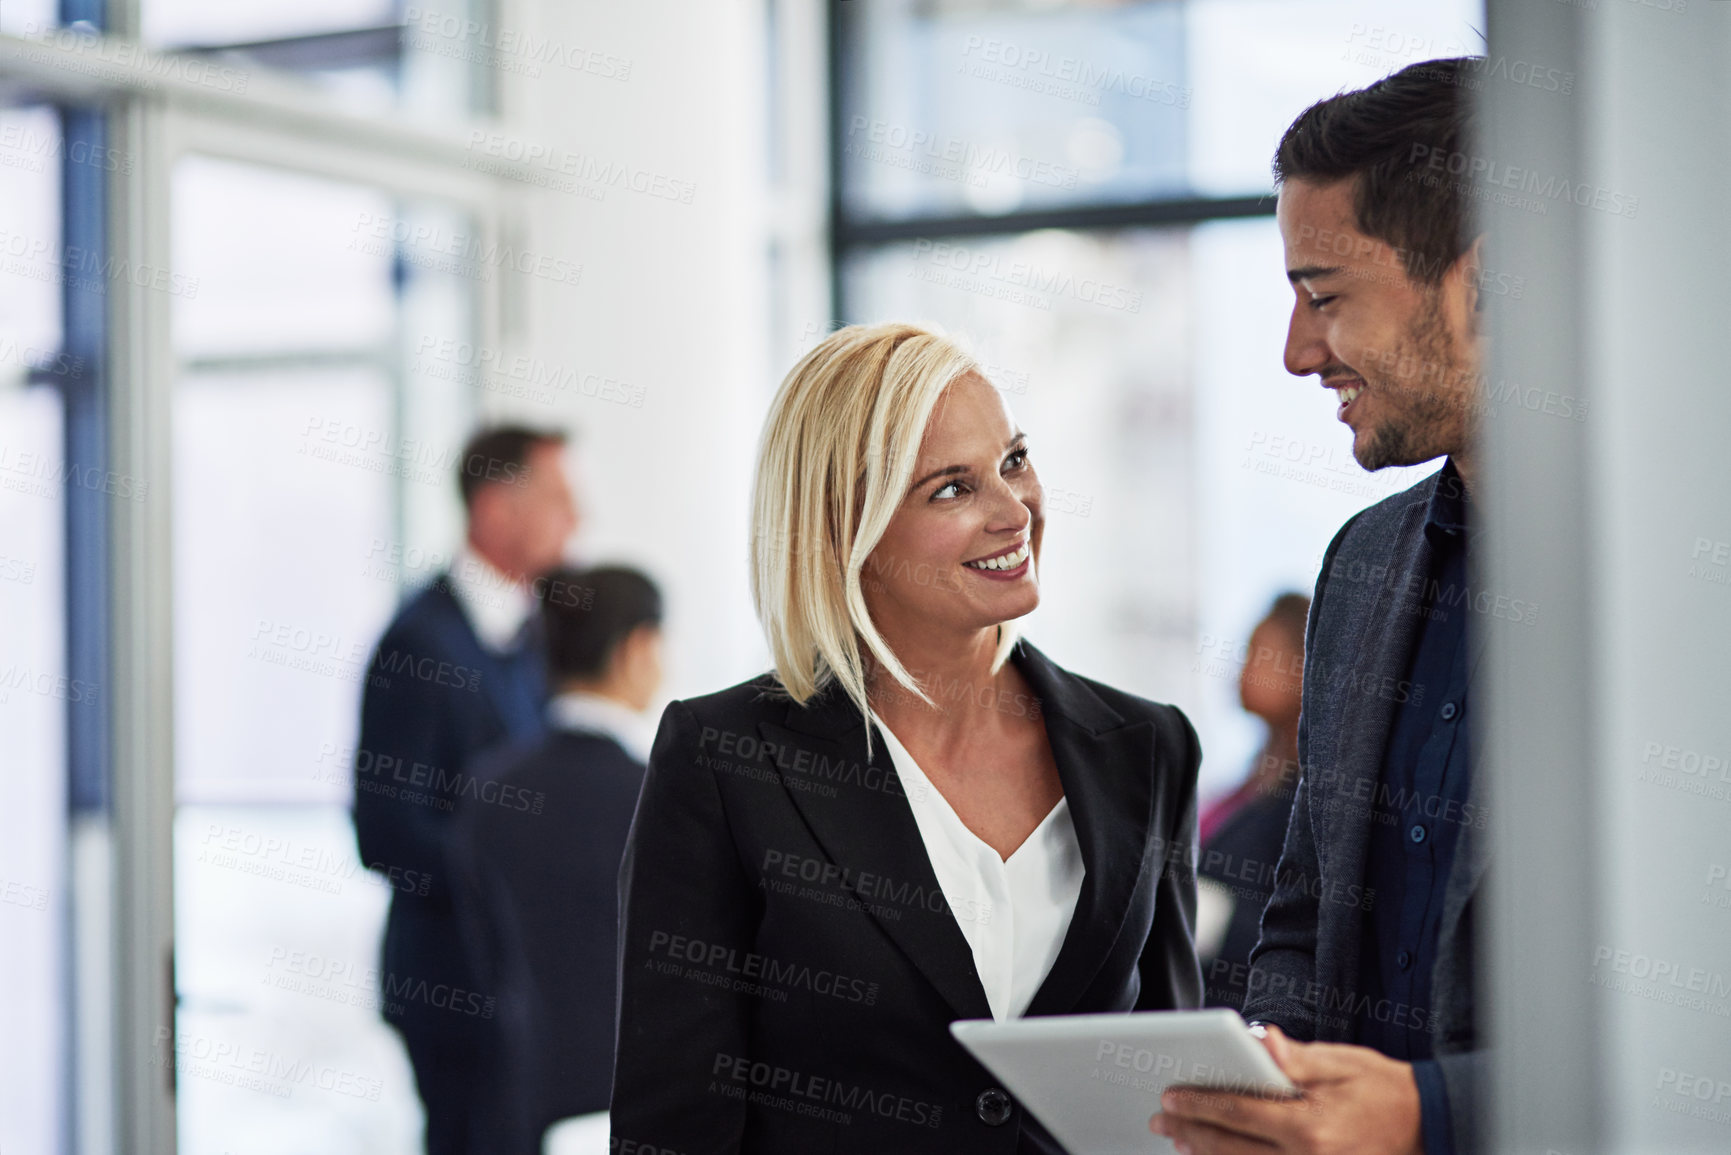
[(282, 488), (313, 481), (36, 692), (964, 107), (268, 261), (1256, 64), (226, 22), (32, 258), (276, 928), (952, 108), (368, 54), (28, 17)]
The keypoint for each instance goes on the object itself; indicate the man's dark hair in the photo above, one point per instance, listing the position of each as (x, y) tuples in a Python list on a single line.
[(1404, 141), (588, 612), (499, 454)]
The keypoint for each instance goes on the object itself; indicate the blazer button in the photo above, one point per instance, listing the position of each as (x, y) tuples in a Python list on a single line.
[(993, 1107)]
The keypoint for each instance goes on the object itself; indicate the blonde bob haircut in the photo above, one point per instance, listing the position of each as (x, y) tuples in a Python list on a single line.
[(836, 460)]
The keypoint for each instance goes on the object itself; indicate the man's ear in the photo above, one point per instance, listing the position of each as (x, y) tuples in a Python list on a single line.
[(489, 503), (619, 659), (1469, 267), (629, 651)]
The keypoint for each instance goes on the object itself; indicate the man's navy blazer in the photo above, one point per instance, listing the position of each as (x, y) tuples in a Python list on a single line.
[(433, 699), (538, 897), (1357, 649), (789, 967)]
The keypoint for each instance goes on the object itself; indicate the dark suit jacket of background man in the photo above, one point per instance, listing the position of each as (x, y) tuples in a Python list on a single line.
[(434, 697), (540, 848), (1304, 971), (782, 919)]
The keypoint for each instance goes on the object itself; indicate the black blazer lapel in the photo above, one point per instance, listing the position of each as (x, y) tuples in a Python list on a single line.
[(1102, 763), (857, 812)]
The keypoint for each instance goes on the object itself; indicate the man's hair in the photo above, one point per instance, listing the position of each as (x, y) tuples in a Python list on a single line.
[(588, 612), (499, 454), (1403, 141)]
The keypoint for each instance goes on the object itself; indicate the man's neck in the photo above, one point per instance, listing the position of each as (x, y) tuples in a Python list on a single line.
[(499, 563)]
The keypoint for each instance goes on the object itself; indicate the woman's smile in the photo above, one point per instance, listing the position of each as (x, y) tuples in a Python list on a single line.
[(1006, 565)]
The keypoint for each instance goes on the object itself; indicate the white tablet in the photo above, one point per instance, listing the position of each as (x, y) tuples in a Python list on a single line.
[(1093, 1080)]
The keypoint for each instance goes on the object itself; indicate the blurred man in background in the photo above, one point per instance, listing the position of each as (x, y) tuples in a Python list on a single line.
[(459, 669), (1241, 834), (541, 844)]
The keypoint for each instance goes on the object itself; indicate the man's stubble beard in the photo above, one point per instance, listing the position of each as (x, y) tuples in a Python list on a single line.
[(1430, 413)]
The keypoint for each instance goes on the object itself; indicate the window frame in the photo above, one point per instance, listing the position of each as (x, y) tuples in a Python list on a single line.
[(849, 235), (123, 777)]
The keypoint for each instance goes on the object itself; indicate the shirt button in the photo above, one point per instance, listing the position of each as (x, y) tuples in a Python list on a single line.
[(993, 1107), (1403, 959), (1449, 710), (1417, 833)]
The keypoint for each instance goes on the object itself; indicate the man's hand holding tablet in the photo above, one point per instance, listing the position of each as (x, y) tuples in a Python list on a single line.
[(1092, 1079), (1354, 1100)]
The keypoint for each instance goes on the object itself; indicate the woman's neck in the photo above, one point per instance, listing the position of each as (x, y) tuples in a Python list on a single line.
[(1278, 757), (955, 673)]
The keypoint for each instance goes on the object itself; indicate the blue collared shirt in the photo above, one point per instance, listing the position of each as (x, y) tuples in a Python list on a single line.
[(1420, 807)]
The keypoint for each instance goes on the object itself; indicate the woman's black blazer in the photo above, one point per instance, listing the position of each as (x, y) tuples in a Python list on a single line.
[(788, 966)]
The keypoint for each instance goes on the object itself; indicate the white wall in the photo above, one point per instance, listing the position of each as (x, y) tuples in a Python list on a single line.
[(673, 299)]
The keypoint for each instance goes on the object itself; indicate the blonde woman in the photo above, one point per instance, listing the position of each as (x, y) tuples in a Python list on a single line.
[(915, 818)]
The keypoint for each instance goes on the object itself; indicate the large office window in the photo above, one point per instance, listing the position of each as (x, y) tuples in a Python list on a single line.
[(1082, 191), (314, 460), (36, 694), (228, 427), (435, 59)]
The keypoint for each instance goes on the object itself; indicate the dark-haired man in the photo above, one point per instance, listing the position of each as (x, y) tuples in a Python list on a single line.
[(1371, 1011), (458, 670), (541, 842)]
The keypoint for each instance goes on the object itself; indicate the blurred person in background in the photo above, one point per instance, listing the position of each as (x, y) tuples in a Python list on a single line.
[(1242, 833), (917, 817), (459, 669), (540, 845)]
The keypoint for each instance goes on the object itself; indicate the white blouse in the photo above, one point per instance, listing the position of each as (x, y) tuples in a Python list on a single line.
[(1014, 913)]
